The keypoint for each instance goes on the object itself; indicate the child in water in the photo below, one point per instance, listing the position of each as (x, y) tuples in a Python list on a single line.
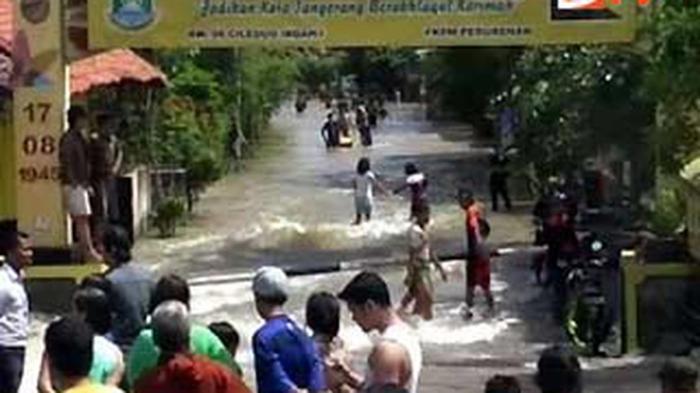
[(478, 252), (364, 184), (418, 279)]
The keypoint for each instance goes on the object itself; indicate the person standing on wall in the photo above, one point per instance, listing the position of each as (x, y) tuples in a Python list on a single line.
[(75, 178), (16, 249), (102, 161)]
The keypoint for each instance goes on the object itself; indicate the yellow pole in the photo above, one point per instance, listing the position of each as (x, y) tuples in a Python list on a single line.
[(39, 113), (8, 194)]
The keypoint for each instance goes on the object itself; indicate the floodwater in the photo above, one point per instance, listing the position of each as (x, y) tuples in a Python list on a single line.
[(292, 205)]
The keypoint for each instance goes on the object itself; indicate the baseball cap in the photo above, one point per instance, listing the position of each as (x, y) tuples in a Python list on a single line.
[(270, 282)]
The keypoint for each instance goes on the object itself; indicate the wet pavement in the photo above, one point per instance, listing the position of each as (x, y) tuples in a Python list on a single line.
[(293, 203), (292, 206)]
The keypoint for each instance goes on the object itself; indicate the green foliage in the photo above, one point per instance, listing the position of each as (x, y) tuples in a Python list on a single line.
[(166, 216), (668, 211), (192, 119), (575, 101), (673, 34), (269, 76), (465, 79), (318, 71), (380, 71)]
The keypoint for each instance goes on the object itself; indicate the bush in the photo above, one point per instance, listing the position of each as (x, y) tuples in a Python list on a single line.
[(668, 211), (166, 216)]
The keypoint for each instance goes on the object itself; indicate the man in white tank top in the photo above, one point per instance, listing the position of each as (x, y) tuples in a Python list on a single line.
[(397, 357)]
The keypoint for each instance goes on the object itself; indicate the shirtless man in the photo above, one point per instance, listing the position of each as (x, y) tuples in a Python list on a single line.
[(397, 358)]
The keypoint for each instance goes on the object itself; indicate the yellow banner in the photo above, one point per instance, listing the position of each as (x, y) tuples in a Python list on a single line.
[(39, 100), (339, 23)]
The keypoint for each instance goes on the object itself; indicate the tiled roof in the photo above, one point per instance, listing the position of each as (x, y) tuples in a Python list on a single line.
[(112, 67), (6, 25)]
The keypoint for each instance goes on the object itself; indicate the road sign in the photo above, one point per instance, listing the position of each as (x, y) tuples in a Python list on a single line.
[(341, 23)]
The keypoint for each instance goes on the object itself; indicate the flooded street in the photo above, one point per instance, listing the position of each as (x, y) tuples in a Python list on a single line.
[(292, 204)]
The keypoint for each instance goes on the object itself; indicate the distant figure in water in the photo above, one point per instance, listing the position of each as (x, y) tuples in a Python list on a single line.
[(363, 126), (329, 132), (418, 184), (364, 183)]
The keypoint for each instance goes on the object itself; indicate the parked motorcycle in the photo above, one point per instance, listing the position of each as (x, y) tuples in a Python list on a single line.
[(589, 317)]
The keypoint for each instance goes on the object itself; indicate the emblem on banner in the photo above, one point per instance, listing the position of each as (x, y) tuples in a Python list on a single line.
[(132, 14)]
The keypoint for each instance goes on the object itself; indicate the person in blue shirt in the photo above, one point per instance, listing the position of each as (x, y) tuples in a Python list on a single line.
[(286, 358)]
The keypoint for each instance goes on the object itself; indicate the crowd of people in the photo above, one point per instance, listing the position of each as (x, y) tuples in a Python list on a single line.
[(129, 332), (88, 164), (337, 128), (421, 257), (132, 331)]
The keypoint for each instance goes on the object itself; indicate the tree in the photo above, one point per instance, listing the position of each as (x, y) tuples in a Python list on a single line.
[(463, 80), (673, 36), (576, 101)]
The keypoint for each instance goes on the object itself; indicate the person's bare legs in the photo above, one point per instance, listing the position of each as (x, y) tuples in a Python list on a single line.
[(88, 252), (406, 301), (424, 302), (358, 219), (489, 300), (470, 303)]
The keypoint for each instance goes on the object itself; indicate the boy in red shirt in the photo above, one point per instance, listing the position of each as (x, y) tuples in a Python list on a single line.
[(478, 253)]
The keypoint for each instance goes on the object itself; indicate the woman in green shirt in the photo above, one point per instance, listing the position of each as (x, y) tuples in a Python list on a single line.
[(144, 355)]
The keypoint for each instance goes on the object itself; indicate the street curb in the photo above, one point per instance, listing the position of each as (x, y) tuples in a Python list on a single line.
[(344, 266)]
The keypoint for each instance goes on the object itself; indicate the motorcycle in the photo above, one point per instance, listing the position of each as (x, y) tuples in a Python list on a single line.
[(588, 318)]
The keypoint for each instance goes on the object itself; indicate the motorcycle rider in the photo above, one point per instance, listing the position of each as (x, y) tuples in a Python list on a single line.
[(554, 212)]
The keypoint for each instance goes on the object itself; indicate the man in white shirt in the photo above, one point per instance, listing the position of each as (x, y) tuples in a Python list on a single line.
[(397, 358), (16, 249)]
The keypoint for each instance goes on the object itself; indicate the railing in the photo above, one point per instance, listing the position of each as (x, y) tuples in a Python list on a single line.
[(635, 273)]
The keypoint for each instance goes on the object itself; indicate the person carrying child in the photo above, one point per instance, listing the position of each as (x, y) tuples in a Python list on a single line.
[(417, 183), (418, 278)]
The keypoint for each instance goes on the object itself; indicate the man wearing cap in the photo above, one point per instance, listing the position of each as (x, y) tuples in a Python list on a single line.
[(16, 249), (286, 359)]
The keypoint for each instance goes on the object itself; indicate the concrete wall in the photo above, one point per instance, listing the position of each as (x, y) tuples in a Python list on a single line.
[(140, 199), (662, 314)]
